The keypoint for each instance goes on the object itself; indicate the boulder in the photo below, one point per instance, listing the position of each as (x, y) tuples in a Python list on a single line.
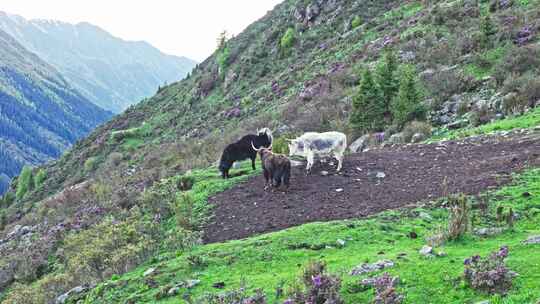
[(396, 139), (312, 11), (418, 137), (488, 231), (426, 251), (532, 240), (149, 272), (64, 297), (360, 144), (367, 268)]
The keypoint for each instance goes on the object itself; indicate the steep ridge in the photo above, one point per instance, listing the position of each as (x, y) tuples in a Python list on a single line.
[(41, 115), (294, 70), (110, 72)]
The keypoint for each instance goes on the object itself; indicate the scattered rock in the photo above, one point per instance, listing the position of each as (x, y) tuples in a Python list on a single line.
[(360, 144), (458, 124), (396, 139), (425, 216), (367, 268), (340, 242), (442, 254), (418, 137), (324, 173), (192, 283), (426, 251), (149, 272), (380, 175), (339, 190), (219, 285), (488, 231), (64, 297), (483, 302), (532, 240), (173, 291)]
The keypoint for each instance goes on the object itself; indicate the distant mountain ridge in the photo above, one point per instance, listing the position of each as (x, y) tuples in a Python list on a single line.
[(40, 113), (109, 71)]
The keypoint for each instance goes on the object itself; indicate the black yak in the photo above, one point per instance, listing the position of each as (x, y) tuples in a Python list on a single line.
[(242, 150), (276, 167)]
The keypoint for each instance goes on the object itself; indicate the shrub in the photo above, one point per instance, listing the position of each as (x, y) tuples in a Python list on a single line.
[(489, 274), (368, 111), (288, 39), (184, 212), (319, 287), (488, 29), (514, 103), (407, 105), (186, 182), (518, 60), (21, 293), (280, 145), (90, 164), (24, 183), (223, 59), (385, 290), (416, 127), (459, 219), (40, 178), (356, 22), (481, 114), (102, 191), (111, 247), (114, 159), (234, 296), (530, 89)]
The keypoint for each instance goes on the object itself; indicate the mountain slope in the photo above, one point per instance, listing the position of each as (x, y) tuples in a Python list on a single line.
[(40, 114), (294, 70), (110, 72)]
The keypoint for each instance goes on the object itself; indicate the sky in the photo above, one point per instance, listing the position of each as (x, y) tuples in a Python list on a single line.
[(177, 27)]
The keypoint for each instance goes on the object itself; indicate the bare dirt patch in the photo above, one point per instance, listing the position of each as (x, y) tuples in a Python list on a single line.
[(411, 174)]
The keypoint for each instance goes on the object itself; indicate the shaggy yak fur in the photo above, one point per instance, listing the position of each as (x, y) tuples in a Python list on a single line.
[(276, 167), (242, 150)]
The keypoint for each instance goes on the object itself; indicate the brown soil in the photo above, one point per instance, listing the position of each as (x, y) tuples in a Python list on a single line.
[(411, 174)]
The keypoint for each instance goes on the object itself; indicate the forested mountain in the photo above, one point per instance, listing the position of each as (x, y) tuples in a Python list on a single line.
[(40, 113), (108, 71)]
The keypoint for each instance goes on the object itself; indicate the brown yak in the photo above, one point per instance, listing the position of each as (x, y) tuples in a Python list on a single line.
[(276, 167)]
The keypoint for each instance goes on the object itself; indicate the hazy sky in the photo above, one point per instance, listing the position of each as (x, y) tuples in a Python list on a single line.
[(179, 27)]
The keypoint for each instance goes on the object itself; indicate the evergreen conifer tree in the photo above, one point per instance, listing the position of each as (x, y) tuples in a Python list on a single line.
[(368, 110)]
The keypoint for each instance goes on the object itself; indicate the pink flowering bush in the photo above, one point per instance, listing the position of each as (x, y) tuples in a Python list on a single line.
[(489, 274), (319, 287), (385, 290)]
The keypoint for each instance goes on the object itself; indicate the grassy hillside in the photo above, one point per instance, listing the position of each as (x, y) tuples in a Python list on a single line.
[(276, 260), (117, 199)]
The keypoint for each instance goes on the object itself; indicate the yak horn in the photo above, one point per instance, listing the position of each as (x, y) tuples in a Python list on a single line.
[(253, 146)]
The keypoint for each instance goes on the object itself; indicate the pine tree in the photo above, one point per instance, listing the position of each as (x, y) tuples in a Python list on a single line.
[(368, 111), (488, 29), (407, 105), (388, 80)]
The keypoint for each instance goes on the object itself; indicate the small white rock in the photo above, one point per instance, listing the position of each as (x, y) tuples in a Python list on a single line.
[(149, 272), (426, 250), (339, 190)]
